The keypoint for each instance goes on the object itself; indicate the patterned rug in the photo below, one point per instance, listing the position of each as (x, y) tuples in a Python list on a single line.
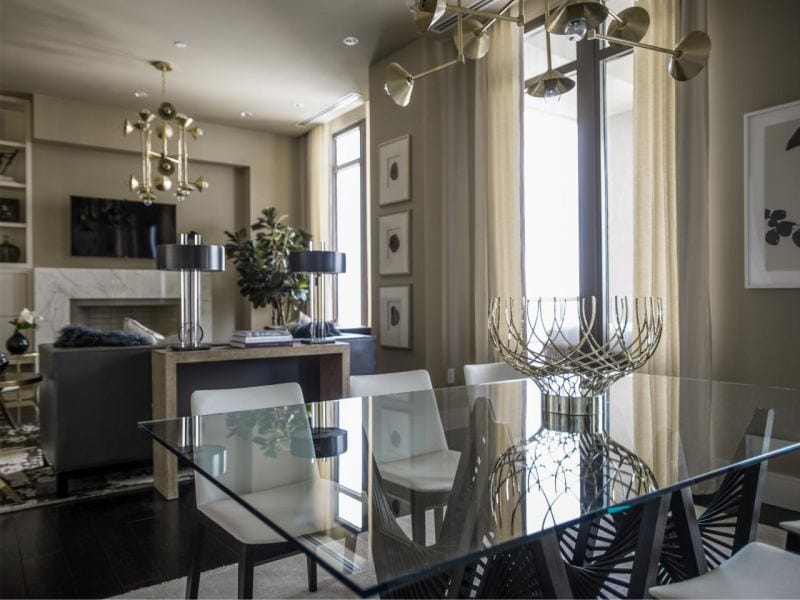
[(25, 469)]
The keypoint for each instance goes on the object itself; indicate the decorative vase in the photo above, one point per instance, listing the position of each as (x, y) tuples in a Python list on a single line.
[(17, 343), (3, 364), (9, 253)]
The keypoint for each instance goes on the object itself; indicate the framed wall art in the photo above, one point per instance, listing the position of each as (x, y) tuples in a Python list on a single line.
[(394, 164), (394, 242), (394, 306), (771, 197)]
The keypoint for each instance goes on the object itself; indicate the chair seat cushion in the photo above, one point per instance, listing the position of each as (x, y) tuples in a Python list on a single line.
[(299, 508), (791, 526), (756, 571), (431, 472)]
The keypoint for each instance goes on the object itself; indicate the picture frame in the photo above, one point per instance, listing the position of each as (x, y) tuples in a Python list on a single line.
[(771, 201), (394, 244), (394, 309), (10, 210), (394, 167)]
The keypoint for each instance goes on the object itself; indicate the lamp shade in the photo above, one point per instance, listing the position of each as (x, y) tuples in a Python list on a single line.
[(200, 257), (317, 261)]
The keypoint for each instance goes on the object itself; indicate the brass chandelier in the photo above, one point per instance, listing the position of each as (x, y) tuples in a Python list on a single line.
[(167, 165), (579, 19), (471, 39)]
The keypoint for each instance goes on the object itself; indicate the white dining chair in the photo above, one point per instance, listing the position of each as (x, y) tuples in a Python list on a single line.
[(756, 571), (286, 485), (412, 454), (490, 373), (792, 535)]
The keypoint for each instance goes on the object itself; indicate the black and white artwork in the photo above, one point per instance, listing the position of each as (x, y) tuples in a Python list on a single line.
[(394, 305), (772, 197), (394, 158), (394, 243)]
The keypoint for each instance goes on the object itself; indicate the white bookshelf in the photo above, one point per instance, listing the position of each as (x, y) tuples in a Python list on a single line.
[(15, 134)]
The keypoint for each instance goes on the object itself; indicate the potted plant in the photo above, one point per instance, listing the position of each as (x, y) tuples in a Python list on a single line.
[(18, 343), (262, 262)]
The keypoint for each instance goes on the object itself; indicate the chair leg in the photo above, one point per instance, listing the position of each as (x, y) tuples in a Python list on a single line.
[(312, 574), (438, 519), (793, 542), (246, 566), (196, 561), (417, 520)]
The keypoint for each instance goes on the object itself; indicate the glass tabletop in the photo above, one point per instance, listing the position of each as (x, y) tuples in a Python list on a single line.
[(386, 490)]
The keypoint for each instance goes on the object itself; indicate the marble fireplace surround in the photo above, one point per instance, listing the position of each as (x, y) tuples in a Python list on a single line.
[(53, 289)]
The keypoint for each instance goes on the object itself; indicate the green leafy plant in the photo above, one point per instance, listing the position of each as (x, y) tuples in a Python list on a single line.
[(262, 262)]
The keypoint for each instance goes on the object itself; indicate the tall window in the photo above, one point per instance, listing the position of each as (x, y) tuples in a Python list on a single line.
[(349, 224), (579, 170)]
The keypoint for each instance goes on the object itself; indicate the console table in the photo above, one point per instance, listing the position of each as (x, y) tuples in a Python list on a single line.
[(220, 368)]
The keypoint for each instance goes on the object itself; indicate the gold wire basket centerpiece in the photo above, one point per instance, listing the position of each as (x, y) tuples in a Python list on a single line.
[(562, 345)]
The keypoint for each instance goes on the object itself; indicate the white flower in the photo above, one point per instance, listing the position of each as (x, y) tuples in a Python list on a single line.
[(27, 316)]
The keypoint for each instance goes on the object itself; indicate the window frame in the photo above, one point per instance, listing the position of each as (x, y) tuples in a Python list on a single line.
[(335, 169), (591, 112)]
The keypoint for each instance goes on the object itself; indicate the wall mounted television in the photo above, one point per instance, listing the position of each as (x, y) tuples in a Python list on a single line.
[(119, 228)]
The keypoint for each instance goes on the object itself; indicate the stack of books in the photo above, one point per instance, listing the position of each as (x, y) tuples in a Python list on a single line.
[(260, 338)]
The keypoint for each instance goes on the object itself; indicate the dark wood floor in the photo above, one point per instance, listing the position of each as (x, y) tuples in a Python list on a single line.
[(106, 546), (100, 547)]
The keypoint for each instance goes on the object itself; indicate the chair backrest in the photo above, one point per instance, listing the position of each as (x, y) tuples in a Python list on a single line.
[(266, 473), (405, 424), (390, 383), (490, 373)]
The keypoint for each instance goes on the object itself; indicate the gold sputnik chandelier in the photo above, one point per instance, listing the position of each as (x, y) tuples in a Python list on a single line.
[(167, 165), (471, 39), (579, 19)]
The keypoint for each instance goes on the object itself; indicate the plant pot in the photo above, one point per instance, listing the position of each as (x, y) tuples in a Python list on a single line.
[(17, 343)]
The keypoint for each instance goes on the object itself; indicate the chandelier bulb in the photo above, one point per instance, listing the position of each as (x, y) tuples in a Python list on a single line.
[(576, 29), (551, 96), (163, 184)]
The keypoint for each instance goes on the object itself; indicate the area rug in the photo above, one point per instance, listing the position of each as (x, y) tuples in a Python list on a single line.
[(25, 469), (285, 578)]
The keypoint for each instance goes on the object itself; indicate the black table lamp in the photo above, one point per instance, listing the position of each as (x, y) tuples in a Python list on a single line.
[(190, 257), (317, 263)]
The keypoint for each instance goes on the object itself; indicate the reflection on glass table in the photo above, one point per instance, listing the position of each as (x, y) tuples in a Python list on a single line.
[(586, 505)]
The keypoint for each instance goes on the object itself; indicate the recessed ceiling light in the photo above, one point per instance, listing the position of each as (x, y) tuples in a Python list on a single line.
[(350, 40), (245, 114), (180, 44), (299, 105), (140, 94)]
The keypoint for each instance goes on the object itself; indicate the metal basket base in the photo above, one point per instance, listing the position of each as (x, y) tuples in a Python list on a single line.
[(572, 406)]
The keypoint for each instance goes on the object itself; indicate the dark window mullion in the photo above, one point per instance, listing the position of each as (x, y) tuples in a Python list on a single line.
[(590, 146)]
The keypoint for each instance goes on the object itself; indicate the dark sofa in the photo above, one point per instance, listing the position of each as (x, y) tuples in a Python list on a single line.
[(92, 398)]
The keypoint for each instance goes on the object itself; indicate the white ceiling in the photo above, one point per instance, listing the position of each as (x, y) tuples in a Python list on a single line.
[(262, 56)]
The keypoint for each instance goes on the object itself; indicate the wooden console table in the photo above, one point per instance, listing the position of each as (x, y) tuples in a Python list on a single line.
[(334, 379)]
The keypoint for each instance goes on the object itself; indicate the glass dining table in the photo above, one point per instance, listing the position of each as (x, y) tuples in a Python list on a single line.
[(477, 491)]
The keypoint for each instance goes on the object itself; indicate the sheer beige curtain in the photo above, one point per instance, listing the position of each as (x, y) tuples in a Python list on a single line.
[(497, 173), (318, 184), (656, 400), (654, 166), (318, 194)]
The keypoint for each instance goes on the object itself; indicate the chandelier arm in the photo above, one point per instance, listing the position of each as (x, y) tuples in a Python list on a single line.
[(460, 21), (593, 35), (433, 70), (180, 174), (490, 23), (483, 13), (146, 157)]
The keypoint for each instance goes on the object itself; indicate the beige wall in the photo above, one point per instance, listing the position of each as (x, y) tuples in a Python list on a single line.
[(61, 171), (388, 121), (754, 65), (80, 149)]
